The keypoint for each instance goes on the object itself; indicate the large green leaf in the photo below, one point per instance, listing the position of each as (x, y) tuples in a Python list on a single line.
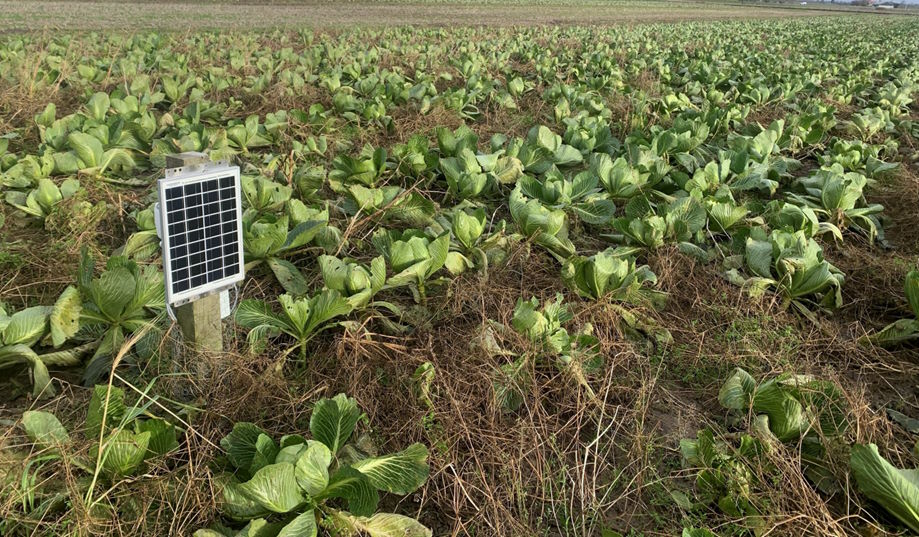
[(333, 421), (324, 307), (19, 353), (290, 453), (399, 473), (354, 487), (292, 280), (467, 228), (87, 147), (266, 452), (123, 453), (68, 357), (759, 257), (274, 487), (312, 467), (596, 210), (304, 525), (44, 429), (65, 316), (737, 391), (897, 332), (354, 281), (240, 444), (787, 419), (304, 232), (26, 327), (895, 490), (98, 105), (253, 313), (912, 291), (381, 525), (112, 291), (97, 405), (162, 436), (239, 505)]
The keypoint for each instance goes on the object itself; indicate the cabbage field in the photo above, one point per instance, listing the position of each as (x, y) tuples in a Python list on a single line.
[(538, 280)]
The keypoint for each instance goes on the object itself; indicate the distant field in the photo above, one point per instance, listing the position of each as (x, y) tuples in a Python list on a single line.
[(89, 15)]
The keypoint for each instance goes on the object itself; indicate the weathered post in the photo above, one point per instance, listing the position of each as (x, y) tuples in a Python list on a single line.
[(200, 323)]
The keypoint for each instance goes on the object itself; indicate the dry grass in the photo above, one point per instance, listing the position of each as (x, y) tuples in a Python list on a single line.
[(563, 464)]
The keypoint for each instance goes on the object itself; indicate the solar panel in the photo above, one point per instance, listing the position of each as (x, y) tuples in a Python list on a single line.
[(200, 217)]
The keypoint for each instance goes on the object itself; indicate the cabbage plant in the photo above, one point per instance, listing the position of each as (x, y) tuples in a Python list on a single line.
[(248, 134), (22, 331), (466, 176), (839, 197), (389, 204), (267, 238), (543, 149), (579, 194), (618, 177), (724, 213), (757, 160), (415, 157), (122, 299), (145, 242), (577, 355), (40, 201), (356, 282), (262, 194), (589, 134), (123, 438), (861, 157), (649, 231), (87, 155), (792, 218), (413, 255), (547, 227), (612, 272), (647, 162), (452, 143), (792, 264), (293, 487), (725, 476), (869, 122), (795, 409), (811, 126), (681, 220), (470, 246), (788, 406), (706, 179), (300, 319), (366, 169)]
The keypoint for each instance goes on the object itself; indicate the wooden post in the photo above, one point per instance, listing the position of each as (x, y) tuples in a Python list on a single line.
[(199, 319), (200, 323)]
